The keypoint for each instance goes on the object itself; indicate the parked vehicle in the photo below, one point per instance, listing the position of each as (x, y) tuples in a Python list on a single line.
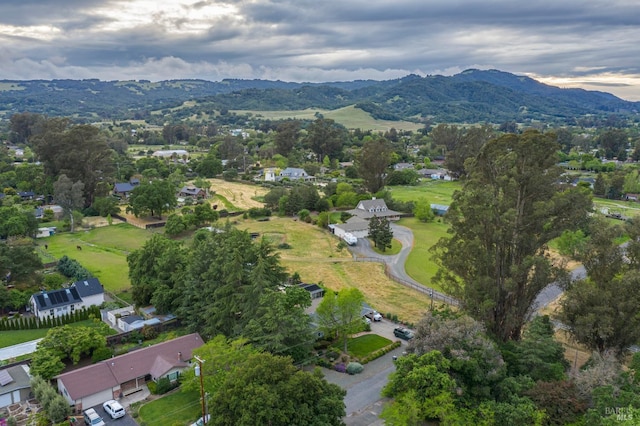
[(374, 316), (92, 418), (114, 409), (200, 422), (403, 333)]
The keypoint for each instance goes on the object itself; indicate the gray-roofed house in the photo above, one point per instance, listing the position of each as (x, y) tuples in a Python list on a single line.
[(123, 189), (15, 385), (79, 295), (192, 191), (294, 173), (358, 224), (128, 373), (439, 209)]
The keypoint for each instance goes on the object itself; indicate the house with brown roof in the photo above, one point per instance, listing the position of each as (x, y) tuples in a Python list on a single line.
[(128, 373)]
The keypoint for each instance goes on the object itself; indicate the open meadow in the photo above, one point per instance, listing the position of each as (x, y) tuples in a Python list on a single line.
[(103, 252), (435, 191), (349, 116), (314, 255)]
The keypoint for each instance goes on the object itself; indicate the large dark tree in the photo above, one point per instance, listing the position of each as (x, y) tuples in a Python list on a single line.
[(325, 138), (612, 141), (154, 270), (601, 311), (287, 136), (509, 208), (380, 232), (269, 390), (80, 152), (155, 197), (372, 163), (227, 276), (69, 195)]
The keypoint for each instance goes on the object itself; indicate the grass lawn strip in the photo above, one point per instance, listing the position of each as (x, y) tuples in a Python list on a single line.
[(175, 408), (419, 264), (362, 346), (15, 337)]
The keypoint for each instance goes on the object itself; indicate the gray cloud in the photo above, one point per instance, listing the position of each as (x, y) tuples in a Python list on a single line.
[(571, 42)]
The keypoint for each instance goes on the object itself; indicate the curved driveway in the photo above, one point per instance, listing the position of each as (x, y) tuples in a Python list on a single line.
[(396, 262)]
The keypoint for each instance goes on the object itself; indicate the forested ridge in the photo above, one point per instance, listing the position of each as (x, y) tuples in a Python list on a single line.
[(471, 96)]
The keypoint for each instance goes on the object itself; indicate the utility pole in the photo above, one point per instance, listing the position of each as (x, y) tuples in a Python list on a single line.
[(200, 373)]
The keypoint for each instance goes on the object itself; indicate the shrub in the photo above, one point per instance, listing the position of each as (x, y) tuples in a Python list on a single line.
[(149, 332), (100, 354), (332, 354), (340, 368), (323, 362), (164, 385), (354, 368), (152, 387), (284, 246)]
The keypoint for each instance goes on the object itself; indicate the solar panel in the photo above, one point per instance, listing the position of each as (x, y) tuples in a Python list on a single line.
[(41, 300), (5, 378), (64, 297)]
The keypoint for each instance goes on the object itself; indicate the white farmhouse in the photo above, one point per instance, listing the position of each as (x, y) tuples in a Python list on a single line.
[(79, 295)]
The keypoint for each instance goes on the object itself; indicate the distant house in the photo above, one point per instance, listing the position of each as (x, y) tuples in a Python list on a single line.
[(294, 173), (358, 224), (270, 174), (27, 195), (128, 373), (123, 190), (435, 174), (366, 209), (55, 303), (176, 153), (46, 232), (439, 209), (192, 192), (315, 291), (402, 166), (15, 385), (632, 197)]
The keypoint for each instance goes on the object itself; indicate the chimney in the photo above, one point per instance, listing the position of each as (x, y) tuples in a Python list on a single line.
[(179, 356)]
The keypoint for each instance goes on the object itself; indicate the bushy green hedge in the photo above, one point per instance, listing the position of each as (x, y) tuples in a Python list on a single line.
[(30, 323), (377, 354)]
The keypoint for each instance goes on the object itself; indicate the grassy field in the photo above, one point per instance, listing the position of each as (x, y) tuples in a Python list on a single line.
[(237, 194), (625, 208), (176, 408), (419, 265), (435, 191), (396, 246), (314, 256), (104, 251), (350, 117)]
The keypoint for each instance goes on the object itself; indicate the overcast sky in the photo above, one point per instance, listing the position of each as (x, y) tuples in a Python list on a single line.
[(594, 44)]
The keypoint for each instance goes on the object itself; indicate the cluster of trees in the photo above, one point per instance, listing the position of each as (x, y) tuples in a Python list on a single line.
[(69, 343), (457, 374), (54, 405), (224, 283), (245, 386)]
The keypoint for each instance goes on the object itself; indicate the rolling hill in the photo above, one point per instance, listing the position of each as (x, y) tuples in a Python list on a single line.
[(471, 96)]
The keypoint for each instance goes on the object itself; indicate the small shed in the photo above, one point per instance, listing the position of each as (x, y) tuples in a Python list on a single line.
[(315, 291)]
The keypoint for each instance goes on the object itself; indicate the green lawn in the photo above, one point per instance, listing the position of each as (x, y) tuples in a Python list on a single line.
[(362, 346), (419, 265), (14, 337), (176, 408), (104, 251), (395, 248), (435, 191)]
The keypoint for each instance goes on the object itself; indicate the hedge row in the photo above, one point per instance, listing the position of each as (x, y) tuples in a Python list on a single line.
[(377, 354), (30, 323)]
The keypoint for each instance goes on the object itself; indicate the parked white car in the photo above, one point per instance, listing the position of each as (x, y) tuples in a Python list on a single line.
[(92, 418), (114, 409)]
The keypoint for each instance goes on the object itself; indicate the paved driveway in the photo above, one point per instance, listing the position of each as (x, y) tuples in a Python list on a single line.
[(122, 421)]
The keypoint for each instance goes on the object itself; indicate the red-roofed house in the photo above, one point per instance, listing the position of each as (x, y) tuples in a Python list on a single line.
[(128, 373)]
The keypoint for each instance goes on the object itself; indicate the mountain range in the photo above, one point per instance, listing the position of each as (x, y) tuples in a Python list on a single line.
[(471, 96)]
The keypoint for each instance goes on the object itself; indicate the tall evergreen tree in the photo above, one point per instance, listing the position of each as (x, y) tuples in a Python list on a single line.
[(509, 208)]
